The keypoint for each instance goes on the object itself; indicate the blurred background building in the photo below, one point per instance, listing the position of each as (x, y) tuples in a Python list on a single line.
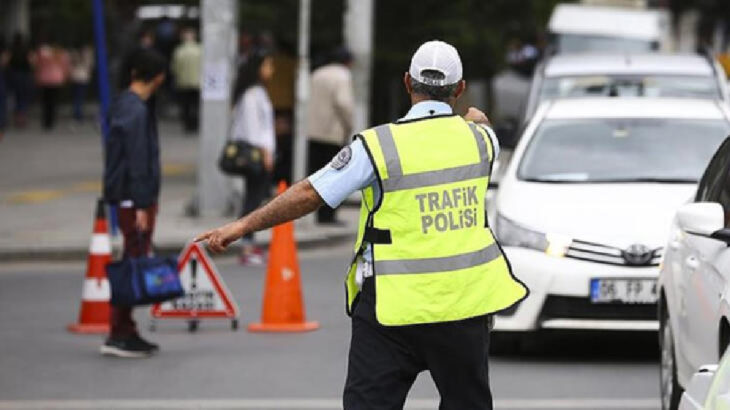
[(486, 33), (500, 41)]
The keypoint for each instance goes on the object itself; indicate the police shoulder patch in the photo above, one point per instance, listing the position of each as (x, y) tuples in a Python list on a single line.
[(342, 158)]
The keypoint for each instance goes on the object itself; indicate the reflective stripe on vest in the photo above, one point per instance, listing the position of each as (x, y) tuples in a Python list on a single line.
[(397, 181), (443, 264)]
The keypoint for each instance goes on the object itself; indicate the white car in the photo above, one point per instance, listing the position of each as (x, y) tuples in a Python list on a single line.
[(585, 205), (626, 74), (694, 309), (709, 388)]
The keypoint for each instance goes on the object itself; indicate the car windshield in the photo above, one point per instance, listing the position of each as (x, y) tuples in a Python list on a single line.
[(579, 43), (621, 150), (630, 86)]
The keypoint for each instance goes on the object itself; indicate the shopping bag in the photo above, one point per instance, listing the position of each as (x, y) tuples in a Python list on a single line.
[(143, 280)]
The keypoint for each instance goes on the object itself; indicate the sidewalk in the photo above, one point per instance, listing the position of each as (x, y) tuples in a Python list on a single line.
[(50, 182)]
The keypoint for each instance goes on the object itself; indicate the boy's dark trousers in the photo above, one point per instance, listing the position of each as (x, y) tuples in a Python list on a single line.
[(135, 244)]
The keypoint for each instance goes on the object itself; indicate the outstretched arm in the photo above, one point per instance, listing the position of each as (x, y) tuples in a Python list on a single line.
[(294, 203)]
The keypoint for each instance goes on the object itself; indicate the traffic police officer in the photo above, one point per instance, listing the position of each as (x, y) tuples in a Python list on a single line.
[(426, 271)]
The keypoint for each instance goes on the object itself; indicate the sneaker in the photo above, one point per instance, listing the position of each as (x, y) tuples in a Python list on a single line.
[(129, 347), (151, 346), (251, 259)]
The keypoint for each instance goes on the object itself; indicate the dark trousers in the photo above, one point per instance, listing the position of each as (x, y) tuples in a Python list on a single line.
[(385, 360), (79, 97), (49, 100), (320, 154), (3, 101), (284, 145), (257, 190), (189, 103), (136, 244), (21, 84)]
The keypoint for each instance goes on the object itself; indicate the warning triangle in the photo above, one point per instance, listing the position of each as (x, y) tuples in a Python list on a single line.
[(206, 295)]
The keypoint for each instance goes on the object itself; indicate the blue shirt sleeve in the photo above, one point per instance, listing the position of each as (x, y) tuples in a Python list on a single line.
[(493, 138), (335, 185)]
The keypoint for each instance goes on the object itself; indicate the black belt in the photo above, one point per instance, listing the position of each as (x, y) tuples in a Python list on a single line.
[(378, 236)]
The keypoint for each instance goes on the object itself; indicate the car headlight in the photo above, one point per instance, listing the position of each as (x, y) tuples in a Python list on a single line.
[(510, 233)]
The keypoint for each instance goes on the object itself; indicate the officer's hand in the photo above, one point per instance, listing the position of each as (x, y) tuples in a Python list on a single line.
[(477, 116), (218, 239)]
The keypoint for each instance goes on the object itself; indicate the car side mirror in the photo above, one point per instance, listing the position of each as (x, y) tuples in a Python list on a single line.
[(701, 218), (722, 235)]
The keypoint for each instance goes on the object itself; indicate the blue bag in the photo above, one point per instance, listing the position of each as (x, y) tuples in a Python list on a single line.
[(143, 280)]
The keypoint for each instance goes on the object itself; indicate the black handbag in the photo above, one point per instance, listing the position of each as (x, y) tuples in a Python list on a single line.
[(240, 158)]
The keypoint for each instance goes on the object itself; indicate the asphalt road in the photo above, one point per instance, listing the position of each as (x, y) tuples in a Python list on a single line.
[(42, 366)]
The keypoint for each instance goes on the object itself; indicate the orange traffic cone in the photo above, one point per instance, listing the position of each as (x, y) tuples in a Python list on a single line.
[(283, 309), (94, 315)]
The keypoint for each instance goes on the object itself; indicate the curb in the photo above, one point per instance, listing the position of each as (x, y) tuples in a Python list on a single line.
[(170, 248)]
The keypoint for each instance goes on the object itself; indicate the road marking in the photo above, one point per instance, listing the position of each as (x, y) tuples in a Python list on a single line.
[(34, 196), (172, 169), (87, 186), (324, 404), (175, 169)]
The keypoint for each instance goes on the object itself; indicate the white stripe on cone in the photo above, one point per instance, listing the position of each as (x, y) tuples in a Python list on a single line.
[(96, 290), (100, 244)]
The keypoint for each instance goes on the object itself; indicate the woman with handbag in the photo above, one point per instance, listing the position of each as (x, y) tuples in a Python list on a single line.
[(253, 122)]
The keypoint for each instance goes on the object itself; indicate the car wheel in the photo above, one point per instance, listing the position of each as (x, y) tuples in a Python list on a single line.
[(670, 389)]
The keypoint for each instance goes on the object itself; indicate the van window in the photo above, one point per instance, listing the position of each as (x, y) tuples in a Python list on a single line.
[(580, 43), (673, 86)]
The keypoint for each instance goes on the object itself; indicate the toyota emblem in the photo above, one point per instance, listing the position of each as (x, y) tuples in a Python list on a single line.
[(638, 254)]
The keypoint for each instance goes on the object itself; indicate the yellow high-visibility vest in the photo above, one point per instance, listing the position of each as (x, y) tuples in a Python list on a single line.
[(434, 257)]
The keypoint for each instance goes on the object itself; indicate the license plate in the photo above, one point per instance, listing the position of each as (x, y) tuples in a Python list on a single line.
[(623, 291)]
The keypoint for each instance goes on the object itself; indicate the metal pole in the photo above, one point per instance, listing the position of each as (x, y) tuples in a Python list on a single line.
[(219, 50), (302, 93), (101, 67), (104, 89), (358, 33)]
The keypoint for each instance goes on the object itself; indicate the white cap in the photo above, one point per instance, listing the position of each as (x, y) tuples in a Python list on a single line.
[(436, 56)]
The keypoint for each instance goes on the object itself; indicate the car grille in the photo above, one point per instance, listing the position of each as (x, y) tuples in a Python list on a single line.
[(589, 251), (569, 307)]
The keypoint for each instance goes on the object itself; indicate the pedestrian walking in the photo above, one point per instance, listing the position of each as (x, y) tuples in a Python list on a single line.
[(186, 70), (82, 64), (20, 78), (52, 67), (329, 116), (253, 122), (427, 272), (132, 180)]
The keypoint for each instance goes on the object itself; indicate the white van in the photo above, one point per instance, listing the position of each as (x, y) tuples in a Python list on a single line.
[(579, 28)]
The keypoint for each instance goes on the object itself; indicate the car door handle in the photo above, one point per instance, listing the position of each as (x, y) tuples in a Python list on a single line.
[(692, 262)]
